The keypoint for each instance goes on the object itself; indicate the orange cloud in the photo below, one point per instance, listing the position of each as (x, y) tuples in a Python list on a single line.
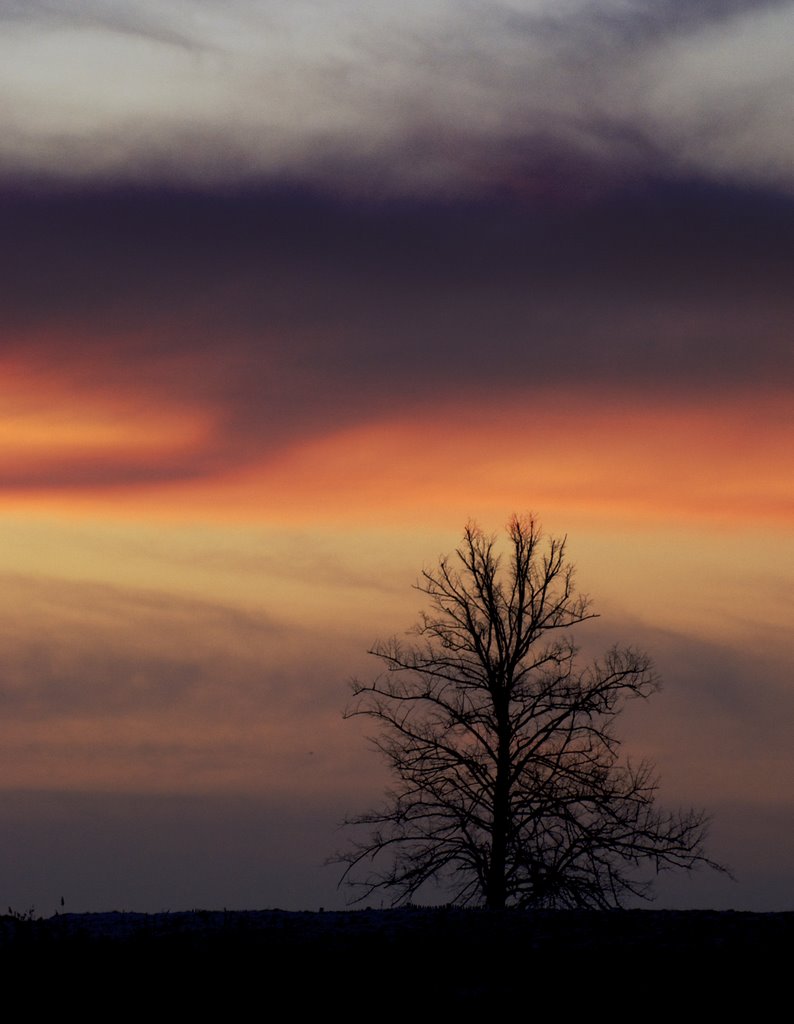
[(725, 462), (61, 433), (117, 450)]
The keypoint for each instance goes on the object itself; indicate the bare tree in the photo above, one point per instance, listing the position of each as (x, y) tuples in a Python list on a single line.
[(509, 786)]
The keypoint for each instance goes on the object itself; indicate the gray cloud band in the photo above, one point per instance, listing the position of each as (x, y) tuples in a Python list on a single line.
[(441, 98)]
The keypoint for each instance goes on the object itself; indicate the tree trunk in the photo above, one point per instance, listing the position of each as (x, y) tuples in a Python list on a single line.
[(497, 874)]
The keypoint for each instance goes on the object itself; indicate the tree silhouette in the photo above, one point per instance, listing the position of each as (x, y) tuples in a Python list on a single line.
[(509, 786)]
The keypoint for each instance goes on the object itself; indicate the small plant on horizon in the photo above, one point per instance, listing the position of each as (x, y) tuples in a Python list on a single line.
[(26, 915), (509, 788)]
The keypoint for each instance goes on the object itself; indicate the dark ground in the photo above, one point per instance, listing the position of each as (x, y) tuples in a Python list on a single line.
[(413, 957)]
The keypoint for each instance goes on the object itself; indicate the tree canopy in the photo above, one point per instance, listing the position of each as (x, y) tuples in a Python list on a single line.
[(509, 786)]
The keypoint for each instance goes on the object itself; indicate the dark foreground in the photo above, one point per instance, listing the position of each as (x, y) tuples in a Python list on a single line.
[(399, 959)]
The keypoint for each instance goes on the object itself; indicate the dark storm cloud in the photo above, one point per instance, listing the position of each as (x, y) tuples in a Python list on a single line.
[(286, 314), (282, 313)]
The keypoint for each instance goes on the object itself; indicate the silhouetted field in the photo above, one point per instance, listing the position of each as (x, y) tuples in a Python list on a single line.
[(411, 957)]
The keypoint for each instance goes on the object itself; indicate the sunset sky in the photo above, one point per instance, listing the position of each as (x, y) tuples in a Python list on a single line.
[(293, 290)]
